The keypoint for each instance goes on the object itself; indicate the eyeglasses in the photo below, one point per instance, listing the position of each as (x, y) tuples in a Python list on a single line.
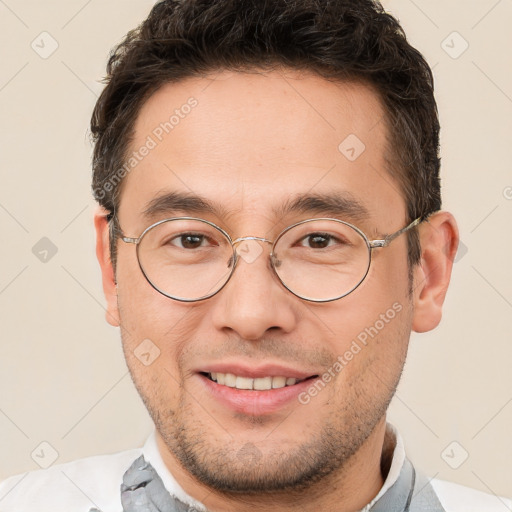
[(319, 260)]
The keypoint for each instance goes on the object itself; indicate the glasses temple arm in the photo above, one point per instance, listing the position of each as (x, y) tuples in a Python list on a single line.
[(388, 239)]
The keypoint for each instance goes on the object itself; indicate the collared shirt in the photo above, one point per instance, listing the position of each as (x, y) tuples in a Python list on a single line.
[(79, 485)]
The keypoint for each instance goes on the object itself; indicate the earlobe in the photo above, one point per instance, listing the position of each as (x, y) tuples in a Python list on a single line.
[(439, 238), (107, 270)]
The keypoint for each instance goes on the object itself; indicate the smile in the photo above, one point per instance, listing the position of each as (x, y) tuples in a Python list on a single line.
[(255, 391), (258, 384)]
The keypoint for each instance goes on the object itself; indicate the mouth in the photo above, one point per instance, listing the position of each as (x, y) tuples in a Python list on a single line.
[(254, 390), (266, 383)]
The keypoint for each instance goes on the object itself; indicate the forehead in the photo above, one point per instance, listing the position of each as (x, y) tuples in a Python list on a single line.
[(251, 141)]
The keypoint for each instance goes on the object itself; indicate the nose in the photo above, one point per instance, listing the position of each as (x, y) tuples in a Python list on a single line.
[(254, 301)]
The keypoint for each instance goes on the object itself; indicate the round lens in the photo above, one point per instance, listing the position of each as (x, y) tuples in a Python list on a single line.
[(186, 259), (321, 259)]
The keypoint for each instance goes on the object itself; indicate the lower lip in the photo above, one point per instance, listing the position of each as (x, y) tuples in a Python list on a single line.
[(255, 403)]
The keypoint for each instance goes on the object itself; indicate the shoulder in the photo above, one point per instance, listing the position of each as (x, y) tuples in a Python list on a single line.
[(73, 486), (458, 498)]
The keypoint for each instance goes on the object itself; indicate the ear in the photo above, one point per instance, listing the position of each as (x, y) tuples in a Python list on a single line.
[(107, 270), (439, 238)]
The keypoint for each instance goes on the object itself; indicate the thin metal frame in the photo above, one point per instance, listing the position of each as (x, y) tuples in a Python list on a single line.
[(370, 244)]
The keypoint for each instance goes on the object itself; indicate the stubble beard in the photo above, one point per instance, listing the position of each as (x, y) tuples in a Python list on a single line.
[(237, 467), (255, 468)]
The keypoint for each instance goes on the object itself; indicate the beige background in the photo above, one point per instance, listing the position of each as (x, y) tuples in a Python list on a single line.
[(62, 372)]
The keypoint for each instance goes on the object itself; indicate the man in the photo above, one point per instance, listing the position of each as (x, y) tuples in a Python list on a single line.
[(269, 234)]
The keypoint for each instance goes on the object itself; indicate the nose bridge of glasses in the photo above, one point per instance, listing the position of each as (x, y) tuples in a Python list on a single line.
[(249, 248), (256, 238)]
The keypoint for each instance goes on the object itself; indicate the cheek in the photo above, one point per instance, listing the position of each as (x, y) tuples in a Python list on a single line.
[(371, 328), (384, 341), (140, 305), (150, 322), (370, 364), (390, 267)]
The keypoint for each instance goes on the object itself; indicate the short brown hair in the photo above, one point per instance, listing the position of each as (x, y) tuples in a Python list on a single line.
[(339, 40)]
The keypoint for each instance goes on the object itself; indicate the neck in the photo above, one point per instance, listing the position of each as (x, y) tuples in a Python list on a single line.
[(348, 490)]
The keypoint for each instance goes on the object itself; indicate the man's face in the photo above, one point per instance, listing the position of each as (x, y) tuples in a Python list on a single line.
[(251, 144)]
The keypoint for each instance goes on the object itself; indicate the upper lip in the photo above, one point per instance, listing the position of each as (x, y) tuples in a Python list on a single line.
[(254, 372)]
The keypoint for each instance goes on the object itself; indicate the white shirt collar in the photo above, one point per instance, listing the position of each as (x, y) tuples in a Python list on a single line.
[(152, 455), (397, 463)]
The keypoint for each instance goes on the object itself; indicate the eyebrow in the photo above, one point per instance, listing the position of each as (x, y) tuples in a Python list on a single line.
[(174, 202), (335, 204)]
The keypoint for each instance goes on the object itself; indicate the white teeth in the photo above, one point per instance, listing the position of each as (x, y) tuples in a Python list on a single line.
[(260, 384), (230, 380), (278, 382), (244, 383), (263, 383)]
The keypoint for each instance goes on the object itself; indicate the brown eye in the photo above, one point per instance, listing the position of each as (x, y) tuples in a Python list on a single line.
[(190, 241), (320, 241)]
